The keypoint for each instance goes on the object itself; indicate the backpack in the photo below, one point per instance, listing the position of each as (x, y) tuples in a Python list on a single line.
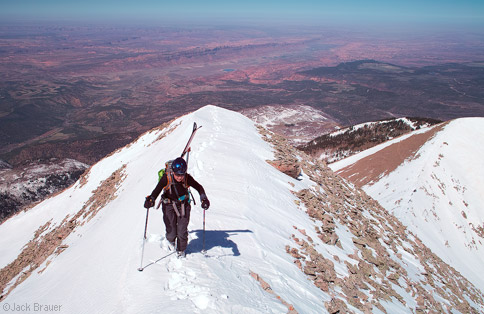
[(168, 171)]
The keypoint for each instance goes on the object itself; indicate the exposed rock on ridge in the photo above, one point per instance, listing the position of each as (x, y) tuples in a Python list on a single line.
[(370, 168), (48, 239), (378, 268), (285, 163), (266, 287)]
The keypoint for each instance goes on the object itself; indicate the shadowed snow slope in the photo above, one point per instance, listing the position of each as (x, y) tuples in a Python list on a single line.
[(81, 249)]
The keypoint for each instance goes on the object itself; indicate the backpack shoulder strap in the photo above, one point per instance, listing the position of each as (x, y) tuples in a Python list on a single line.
[(168, 182)]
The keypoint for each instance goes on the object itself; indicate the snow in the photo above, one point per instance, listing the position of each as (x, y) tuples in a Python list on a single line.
[(31, 178), (411, 124), (338, 165), (248, 226), (228, 156), (440, 195), (281, 115)]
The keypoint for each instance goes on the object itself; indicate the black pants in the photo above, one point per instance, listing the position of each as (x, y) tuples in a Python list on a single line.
[(176, 226)]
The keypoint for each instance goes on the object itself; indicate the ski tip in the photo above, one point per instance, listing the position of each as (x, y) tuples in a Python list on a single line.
[(140, 269)]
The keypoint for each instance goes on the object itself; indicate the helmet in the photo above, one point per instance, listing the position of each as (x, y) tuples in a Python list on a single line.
[(179, 166)]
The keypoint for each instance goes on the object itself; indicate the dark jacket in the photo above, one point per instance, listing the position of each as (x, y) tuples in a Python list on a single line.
[(178, 189)]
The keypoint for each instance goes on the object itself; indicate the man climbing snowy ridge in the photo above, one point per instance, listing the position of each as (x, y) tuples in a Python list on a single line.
[(176, 203)]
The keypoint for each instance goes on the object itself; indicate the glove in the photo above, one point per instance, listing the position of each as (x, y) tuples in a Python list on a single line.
[(149, 201), (205, 203)]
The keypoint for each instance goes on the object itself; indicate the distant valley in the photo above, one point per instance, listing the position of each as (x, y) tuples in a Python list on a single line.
[(72, 92)]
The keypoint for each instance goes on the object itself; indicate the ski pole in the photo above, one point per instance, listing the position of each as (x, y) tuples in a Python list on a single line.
[(144, 240), (203, 236)]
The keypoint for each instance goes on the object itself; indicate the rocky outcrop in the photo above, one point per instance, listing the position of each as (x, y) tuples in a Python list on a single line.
[(290, 167), (285, 159), (267, 288), (376, 269)]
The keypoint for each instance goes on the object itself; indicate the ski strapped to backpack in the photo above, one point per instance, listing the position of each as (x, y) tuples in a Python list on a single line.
[(169, 171), (187, 147)]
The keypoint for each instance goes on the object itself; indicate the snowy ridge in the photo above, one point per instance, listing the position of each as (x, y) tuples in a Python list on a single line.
[(335, 146), (354, 128), (358, 257), (106, 251), (338, 165), (440, 195)]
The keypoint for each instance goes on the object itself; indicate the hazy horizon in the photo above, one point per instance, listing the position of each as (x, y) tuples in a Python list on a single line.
[(446, 14)]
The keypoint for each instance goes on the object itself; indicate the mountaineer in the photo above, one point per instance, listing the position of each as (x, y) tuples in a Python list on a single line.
[(175, 200)]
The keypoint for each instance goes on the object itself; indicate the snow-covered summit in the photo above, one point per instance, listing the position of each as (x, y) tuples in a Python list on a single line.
[(266, 235)]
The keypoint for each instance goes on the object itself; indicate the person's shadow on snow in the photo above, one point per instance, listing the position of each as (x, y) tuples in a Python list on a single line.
[(214, 238)]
